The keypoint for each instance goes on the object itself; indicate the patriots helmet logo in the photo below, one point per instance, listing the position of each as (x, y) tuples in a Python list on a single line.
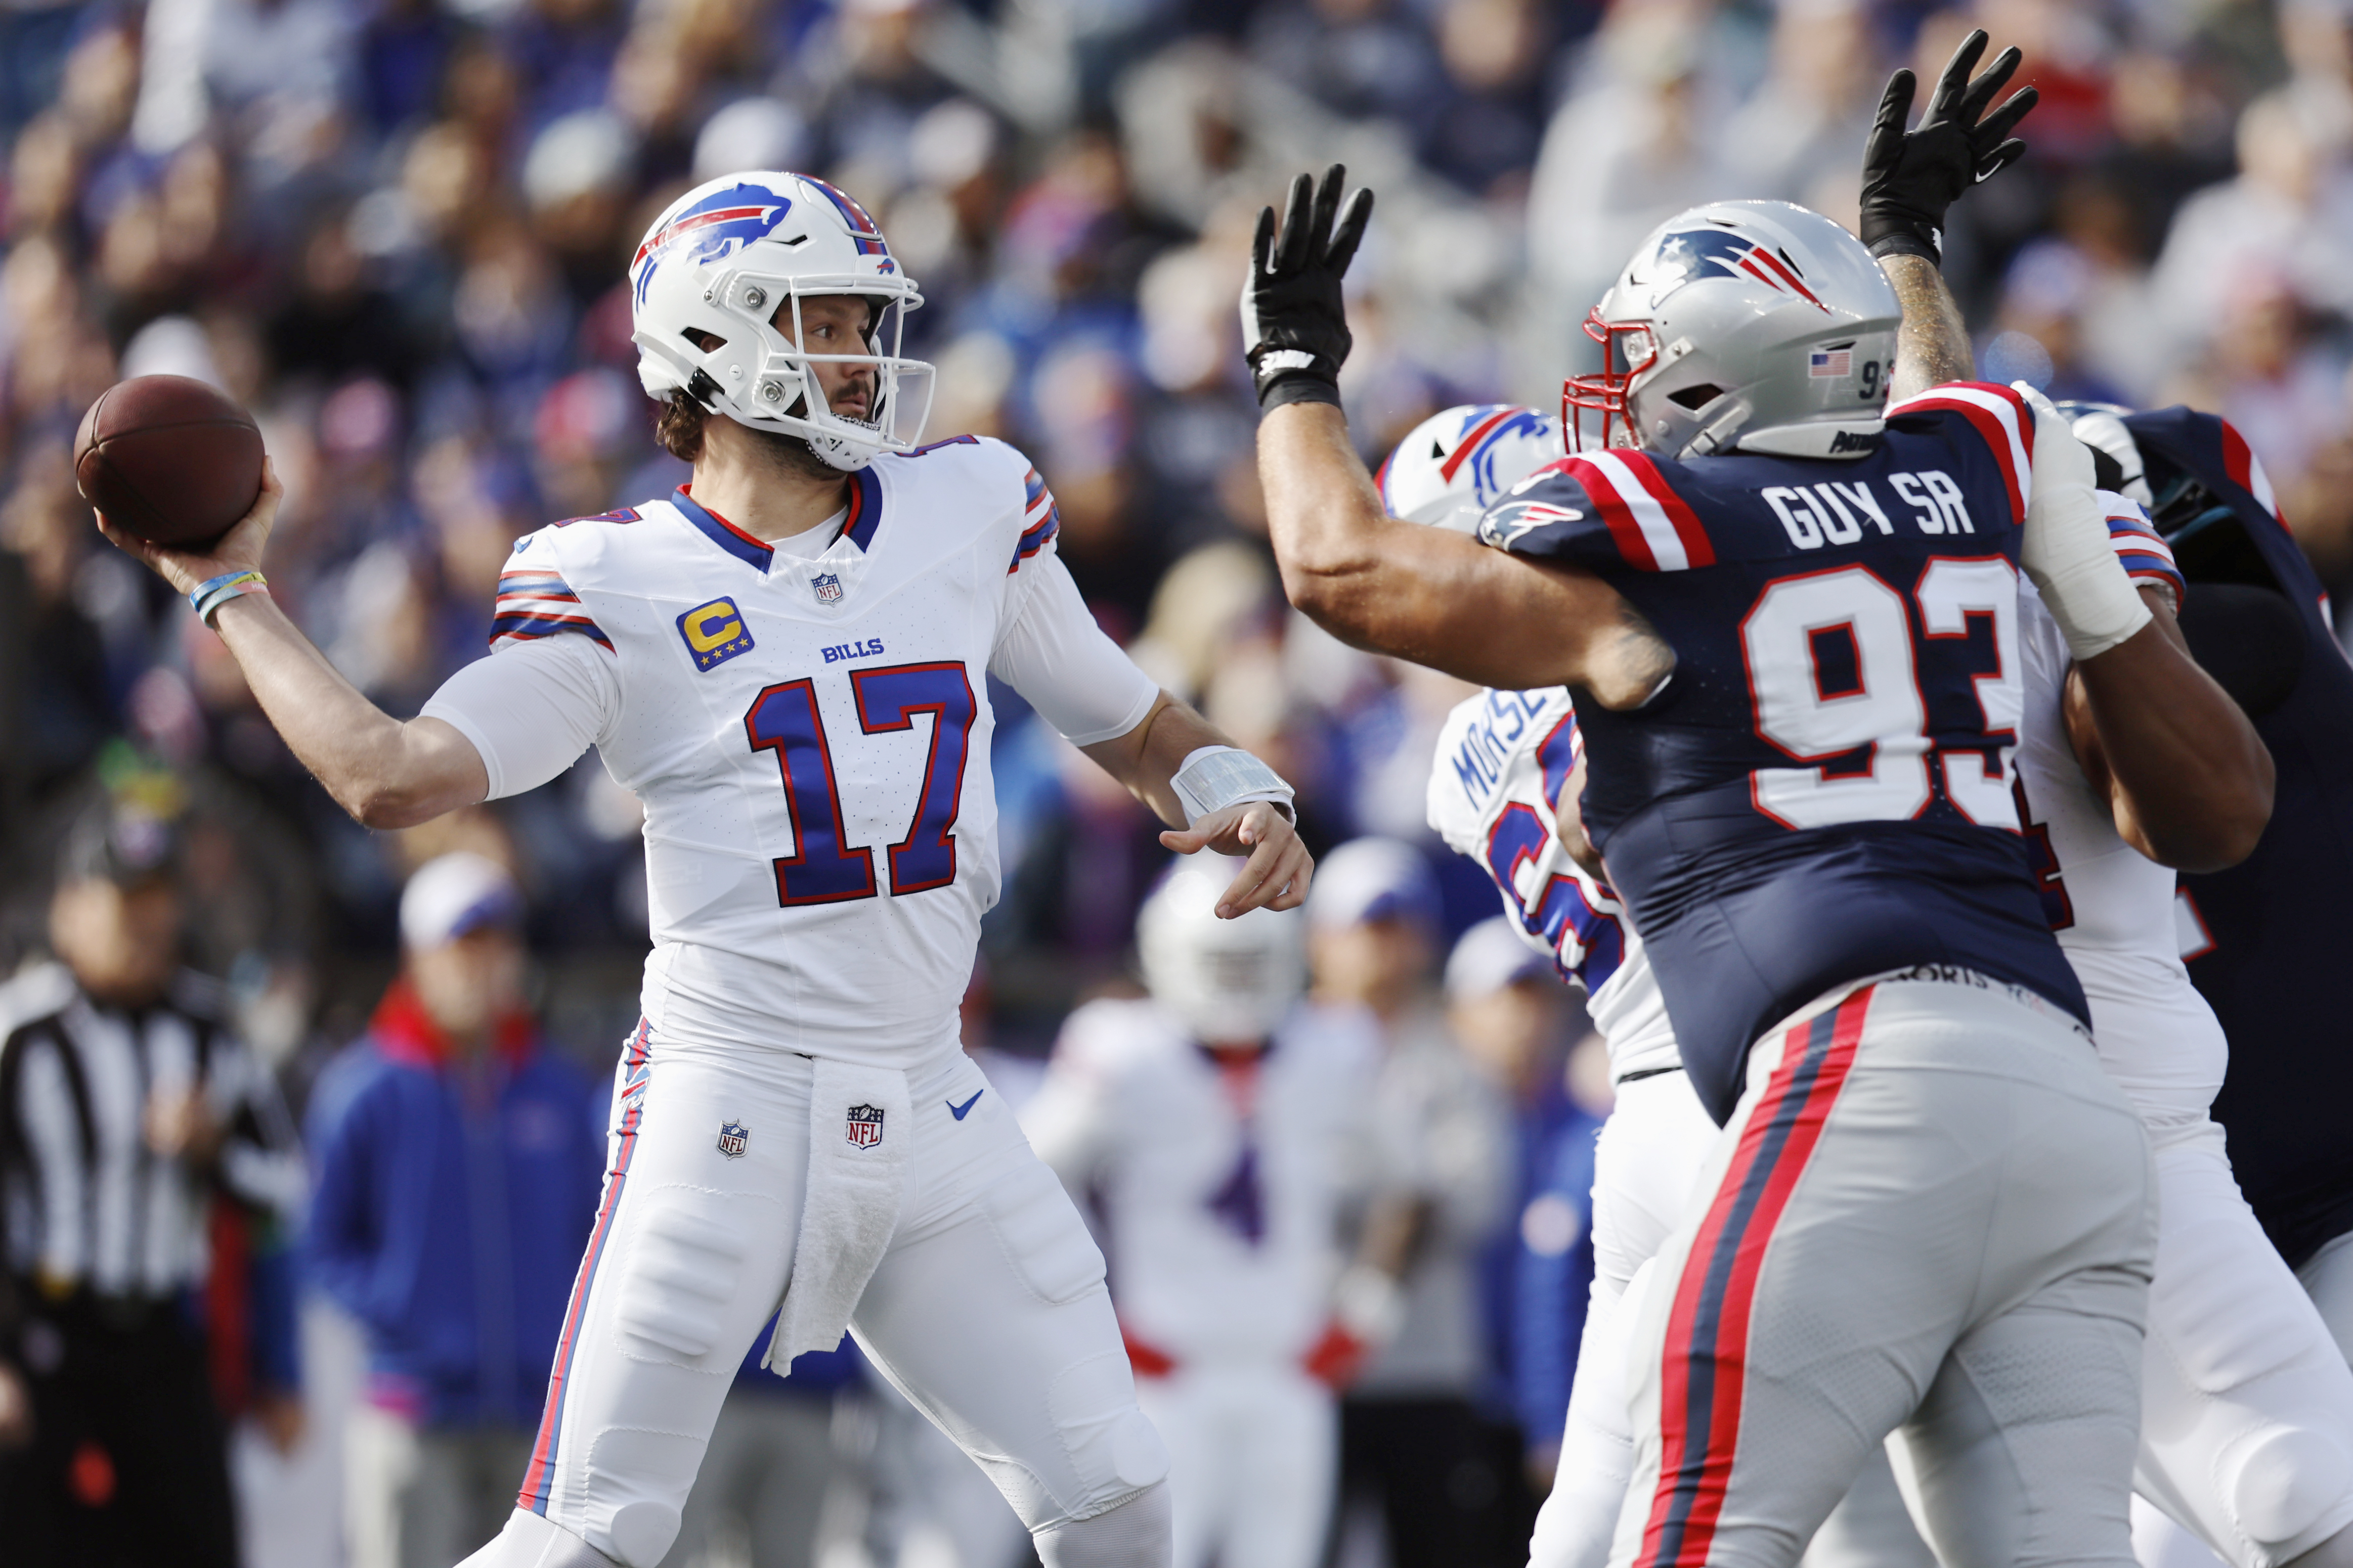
[(1687, 256), (718, 226)]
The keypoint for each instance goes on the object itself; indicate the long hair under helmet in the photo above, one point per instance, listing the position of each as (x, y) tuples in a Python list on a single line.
[(734, 256), (1755, 326)]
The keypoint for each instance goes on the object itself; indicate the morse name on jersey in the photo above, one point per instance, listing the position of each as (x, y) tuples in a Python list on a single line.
[(1486, 747), (1836, 513)]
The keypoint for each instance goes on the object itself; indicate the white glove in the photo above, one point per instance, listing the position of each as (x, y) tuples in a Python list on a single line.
[(2066, 549)]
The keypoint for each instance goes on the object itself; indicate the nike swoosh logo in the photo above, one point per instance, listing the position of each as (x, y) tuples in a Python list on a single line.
[(957, 1111)]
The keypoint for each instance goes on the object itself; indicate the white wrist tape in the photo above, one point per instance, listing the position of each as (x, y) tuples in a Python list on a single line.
[(1214, 777), (1368, 1303), (2067, 548)]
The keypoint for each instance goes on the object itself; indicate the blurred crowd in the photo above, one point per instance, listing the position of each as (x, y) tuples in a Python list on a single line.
[(396, 230)]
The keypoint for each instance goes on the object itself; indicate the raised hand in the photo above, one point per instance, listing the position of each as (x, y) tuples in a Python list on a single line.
[(1910, 178), (1294, 323)]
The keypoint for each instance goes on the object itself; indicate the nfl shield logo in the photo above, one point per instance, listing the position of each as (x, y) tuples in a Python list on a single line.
[(865, 1126), (829, 587), (733, 1135)]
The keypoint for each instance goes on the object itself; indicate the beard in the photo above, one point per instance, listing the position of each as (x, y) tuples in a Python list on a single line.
[(791, 454)]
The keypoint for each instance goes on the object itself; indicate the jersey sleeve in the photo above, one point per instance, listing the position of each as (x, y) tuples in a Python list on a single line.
[(2146, 556), (534, 602), (531, 708), (1608, 510), (1997, 418), (1053, 654), (1041, 522)]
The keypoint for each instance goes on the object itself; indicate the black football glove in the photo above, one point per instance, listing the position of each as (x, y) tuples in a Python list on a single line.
[(1908, 180), (1294, 325)]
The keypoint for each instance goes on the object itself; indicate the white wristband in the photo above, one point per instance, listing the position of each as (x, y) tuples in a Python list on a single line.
[(1214, 777), (2067, 548), (1367, 1302)]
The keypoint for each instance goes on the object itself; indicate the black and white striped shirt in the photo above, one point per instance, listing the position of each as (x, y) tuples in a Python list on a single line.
[(84, 1200)]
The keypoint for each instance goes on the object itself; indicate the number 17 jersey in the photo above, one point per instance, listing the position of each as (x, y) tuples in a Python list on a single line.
[(807, 725), (1821, 791)]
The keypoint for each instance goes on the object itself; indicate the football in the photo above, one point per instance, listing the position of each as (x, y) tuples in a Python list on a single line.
[(169, 459)]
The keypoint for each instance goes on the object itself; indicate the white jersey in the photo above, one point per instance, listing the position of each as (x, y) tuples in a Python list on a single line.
[(1502, 757), (808, 733), (1221, 1186), (2111, 906)]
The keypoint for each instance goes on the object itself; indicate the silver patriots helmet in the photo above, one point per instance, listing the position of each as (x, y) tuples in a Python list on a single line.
[(1746, 326)]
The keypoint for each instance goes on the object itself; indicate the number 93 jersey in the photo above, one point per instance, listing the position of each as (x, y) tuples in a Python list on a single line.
[(1821, 791), (807, 725)]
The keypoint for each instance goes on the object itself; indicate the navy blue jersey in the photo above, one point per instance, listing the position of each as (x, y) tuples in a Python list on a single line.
[(2274, 927), (1821, 793)]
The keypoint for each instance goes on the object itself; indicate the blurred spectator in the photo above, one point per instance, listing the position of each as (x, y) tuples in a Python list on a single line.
[(1220, 1127), (1512, 1014), (1411, 1442), (457, 1164), (130, 1118)]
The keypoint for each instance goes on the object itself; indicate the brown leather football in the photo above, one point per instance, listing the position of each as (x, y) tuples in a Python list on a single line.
[(168, 458)]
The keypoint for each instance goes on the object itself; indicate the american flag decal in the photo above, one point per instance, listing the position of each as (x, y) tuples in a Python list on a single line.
[(1829, 365)]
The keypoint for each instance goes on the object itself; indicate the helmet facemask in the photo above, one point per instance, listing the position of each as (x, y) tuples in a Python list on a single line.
[(760, 375), (1629, 349)]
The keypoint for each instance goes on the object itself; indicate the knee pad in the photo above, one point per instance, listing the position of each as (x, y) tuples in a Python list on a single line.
[(531, 1541), (684, 1265), (1133, 1534), (2284, 1485)]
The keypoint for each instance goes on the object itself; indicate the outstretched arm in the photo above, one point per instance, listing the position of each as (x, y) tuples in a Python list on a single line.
[(385, 773), (1433, 596), (1147, 759), (1419, 594), (1909, 180), (2185, 776)]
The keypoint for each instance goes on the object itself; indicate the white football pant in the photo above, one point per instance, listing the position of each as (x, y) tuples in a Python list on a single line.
[(1931, 1211), (1252, 1453), (1646, 1168), (989, 1311), (2247, 1402)]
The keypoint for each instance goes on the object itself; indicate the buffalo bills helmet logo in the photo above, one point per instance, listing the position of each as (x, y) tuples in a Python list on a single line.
[(1696, 255), (718, 226), (865, 1126)]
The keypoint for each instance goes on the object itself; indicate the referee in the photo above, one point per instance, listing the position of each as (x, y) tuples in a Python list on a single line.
[(127, 1111)]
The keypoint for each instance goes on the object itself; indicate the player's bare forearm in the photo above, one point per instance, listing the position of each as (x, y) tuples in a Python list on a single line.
[(1932, 345), (1277, 867), (1434, 597), (385, 773), (2187, 778)]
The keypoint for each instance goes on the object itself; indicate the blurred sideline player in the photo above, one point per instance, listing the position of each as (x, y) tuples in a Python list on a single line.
[(1929, 1208), (1506, 761), (1223, 1124), (785, 661)]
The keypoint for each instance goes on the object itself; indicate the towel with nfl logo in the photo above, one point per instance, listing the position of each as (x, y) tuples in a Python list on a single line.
[(860, 1127)]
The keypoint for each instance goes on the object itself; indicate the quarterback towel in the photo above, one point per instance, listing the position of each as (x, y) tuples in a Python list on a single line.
[(860, 1124)]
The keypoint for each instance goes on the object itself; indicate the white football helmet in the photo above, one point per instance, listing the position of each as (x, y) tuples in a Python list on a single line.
[(1453, 466), (1758, 326), (1227, 980), (732, 256)]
